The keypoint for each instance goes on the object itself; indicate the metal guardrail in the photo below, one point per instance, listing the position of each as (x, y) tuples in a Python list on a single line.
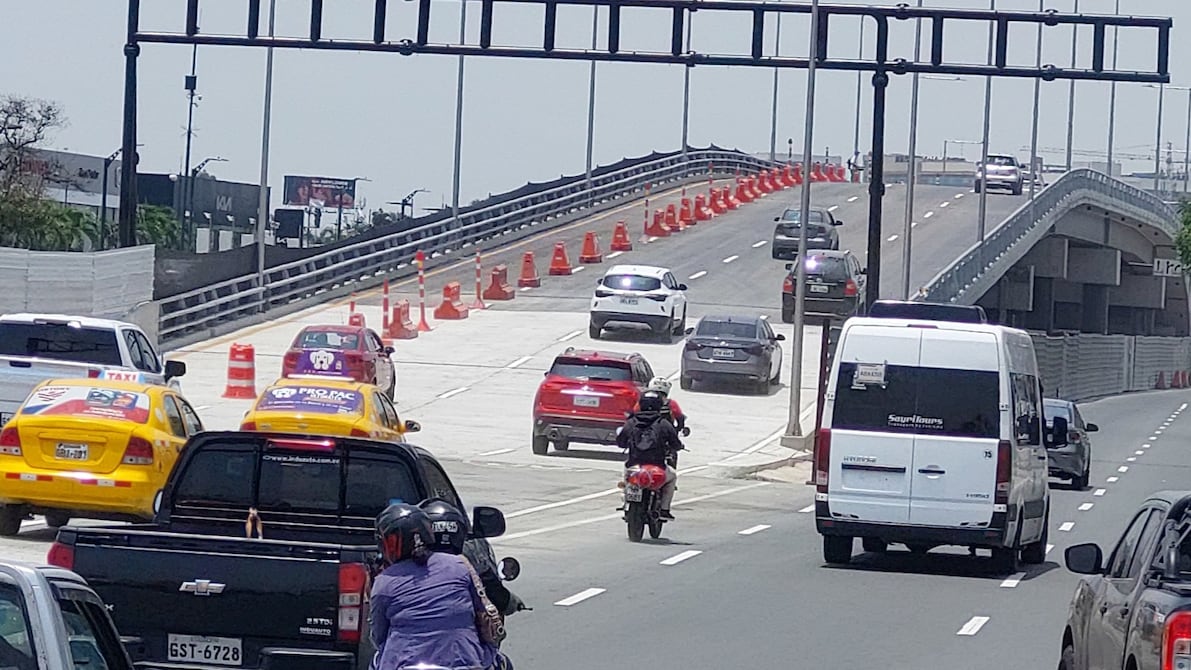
[(203, 310), (973, 273)]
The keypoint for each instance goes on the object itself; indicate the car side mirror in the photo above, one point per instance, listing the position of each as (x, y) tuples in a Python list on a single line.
[(510, 568), (689, 331), (777, 218), (412, 426), (682, 287), (1092, 428), (175, 369), (779, 337), (1084, 559), (837, 222), (487, 522), (389, 351)]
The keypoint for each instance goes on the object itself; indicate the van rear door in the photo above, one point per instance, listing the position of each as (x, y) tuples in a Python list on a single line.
[(957, 417), (870, 460)]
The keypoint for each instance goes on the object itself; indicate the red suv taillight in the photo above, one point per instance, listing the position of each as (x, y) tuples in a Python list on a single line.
[(10, 442), (138, 452), (850, 288), (1176, 641), (788, 285), (1004, 472), (61, 555), (822, 460), (353, 581)]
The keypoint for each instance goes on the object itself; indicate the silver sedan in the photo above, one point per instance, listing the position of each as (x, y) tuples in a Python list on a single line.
[(732, 348)]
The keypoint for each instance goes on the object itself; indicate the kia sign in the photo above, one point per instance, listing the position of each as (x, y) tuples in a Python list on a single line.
[(1167, 267), (327, 192)]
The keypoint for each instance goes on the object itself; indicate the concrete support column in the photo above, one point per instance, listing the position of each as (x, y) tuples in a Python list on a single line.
[(1095, 309), (1042, 316)]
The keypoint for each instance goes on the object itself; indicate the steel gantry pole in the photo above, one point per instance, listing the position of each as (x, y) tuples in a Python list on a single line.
[(983, 210), (859, 99), (1071, 91), (686, 92), (1034, 169), (794, 424), (1112, 91), (1187, 145), (457, 176), (777, 48), (1158, 141), (591, 97), (912, 171), (262, 205)]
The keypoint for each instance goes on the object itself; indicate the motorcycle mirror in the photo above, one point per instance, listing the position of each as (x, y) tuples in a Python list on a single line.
[(510, 568)]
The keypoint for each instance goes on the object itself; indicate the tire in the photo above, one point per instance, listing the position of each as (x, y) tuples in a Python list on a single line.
[(10, 520), (1067, 659), (562, 445), (787, 315), (1081, 482), (681, 330), (541, 445), (635, 516), (1018, 189), (777, 378), (837, 550), (655, 529), (835, 245), (685, 382), (594, 331), (761, 387), (56, 519), (874, 545), (1005, 559), (666, 334), (392, 392), (1035, 554), (918, 549)]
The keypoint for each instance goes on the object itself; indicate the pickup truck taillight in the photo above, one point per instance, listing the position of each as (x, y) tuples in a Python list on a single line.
[(1004, 472), (657, 297), (353, 581), (1073, 437), (61, 555), (603, 293), (138, 452), (1176, 641), (10, 442)]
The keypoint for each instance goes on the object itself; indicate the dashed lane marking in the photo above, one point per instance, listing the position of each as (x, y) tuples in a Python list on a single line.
[(1139, 452), (561, 503), (678, 558), (570, 336), (1123, 468), (700, 273), (452, 393), (854, 198), (913, 224), (891, 238), (1131, 459), (614, 254), (580, 597), (755, 529), (1113, 480), (959, 195), (1067, 526), (928, 215), (1012, 582), (577, 268), (808, 509), (833, 208), (944, 204), (519, 362), (1086, 506), (729, 259), (496, 452), (1099, 492), (759, 244), (1049, 547), (973, 626)]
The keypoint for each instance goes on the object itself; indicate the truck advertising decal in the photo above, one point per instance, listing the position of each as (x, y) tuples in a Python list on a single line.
[(86, 401), (317, 399)]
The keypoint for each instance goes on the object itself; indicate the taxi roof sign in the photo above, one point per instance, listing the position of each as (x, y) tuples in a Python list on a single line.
[(123, 376)]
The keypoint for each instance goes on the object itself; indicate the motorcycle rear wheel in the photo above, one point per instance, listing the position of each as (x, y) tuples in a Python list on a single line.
[(636, 521)]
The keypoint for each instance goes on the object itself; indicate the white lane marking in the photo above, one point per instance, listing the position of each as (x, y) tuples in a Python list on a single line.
[(944, 204), (1139, 452), (1123, 468), (973, 626), (1099, 492), (1086, 506), (764, 317), (202, 408), (1154, 437), (561, 503), (674, 376), (1049, 547), (452, 392), (758, 446), (755, 529), (1146, 445), (1166, 424), (833, 208), (1182, 407), (1131, 459), (913, 224), (678, 558), (959, 195), (519, 362), (525, 288), (700, 273), (614, 254), (580, 597), (808, 509), (1067, 526), (891, 238), (1012, 582), (729, 259), (697, 468), (928, 215), (496, 452), (570, 336), (1112, 480), (651, 239), (854, 198), (577, 268), (758, 245)]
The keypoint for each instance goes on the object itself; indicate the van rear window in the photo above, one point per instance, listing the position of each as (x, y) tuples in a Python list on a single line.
[(923, 401)]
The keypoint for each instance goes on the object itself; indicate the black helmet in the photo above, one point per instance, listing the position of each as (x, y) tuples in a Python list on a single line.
[(651, 401), (448, 525), (400, 529)]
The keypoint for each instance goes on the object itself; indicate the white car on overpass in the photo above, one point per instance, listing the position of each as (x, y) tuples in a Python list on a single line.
[(639, 294)]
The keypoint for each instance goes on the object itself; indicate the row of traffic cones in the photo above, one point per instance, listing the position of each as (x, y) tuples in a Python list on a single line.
[(1179, 379)]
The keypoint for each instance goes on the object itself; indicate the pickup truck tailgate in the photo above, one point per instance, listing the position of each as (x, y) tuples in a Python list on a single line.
[(243, 594)]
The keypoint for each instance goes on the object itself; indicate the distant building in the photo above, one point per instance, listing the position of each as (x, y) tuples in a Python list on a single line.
[(76, 180)]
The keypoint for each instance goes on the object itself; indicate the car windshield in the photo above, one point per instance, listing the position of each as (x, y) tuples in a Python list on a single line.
[(925, 401), (1002, 161), (60, 341), (87, 402), (328, 339), (632, 283), (604, 371), (717, 328), (794, 216), (1053, 409), (829, 268), (310, 399)]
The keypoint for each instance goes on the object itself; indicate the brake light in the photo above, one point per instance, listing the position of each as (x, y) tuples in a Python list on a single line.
[(850, 288), (1073, 437), (754, 349), (1004, 472), (1176, 641), (248, 425), (301, 445), (358, 432), (823, 460), (138, 452), (353, 580), (10, 442), (788, 285), (289, 363), (61, 555)]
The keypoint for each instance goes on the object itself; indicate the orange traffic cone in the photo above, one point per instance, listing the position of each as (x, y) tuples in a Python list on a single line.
[(356, 319), (702, 211), (529, 272), (620, 238), (658, 227), (559, 263), (685, 215), (672, 220), (241, 372), (796, 174), (591, 249)]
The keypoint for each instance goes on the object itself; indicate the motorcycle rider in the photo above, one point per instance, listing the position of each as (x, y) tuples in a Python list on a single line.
[(670, 411), (649, 438)]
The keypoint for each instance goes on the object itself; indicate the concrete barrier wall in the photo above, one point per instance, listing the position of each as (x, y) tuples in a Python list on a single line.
[(111, 284), (1081, 367)]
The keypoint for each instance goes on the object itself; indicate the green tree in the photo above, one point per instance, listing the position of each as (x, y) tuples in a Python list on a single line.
[(158, 225)]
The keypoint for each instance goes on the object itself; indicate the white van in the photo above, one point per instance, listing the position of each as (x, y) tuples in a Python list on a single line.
[(932, 435)]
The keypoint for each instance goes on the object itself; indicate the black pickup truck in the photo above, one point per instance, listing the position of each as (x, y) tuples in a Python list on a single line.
[(206, 586), (1133, 611)]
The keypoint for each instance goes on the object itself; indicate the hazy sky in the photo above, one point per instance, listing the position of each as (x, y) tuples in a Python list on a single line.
[(391, 118)]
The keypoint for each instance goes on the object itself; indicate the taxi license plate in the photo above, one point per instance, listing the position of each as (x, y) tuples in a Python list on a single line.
[(628, 301), (202, 649), (723, 353), (71, 452), (585, 401), (819, 288), (632, 494)]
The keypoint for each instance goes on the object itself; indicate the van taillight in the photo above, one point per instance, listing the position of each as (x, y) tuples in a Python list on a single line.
[(1004, 471), (1176, 642), (138, 452), (355, 365), (788, 285), (353, 582), (61, 555), (822, 460), (289, 363)]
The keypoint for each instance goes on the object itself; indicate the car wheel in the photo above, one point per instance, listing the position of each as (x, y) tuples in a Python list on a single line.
[(681, 329), (787, 315), (540, 445), (835, 245), (874, 545), (685, 382), (56, 519), (837, 550), (777, 377), (665, 334), (1035, 553), (594, 331), (761, 387), (392, 390), (1080, 483), (1004, 560), (1017, 189), (1067, 660), (10, 519)]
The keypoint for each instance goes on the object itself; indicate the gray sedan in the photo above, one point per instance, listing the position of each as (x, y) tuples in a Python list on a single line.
[(1069, 451), (732, 348)]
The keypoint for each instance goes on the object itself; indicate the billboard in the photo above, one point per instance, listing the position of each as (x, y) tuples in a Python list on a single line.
[(329, 191)]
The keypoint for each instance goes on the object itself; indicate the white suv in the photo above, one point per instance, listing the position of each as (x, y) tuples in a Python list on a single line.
[(640, 294)]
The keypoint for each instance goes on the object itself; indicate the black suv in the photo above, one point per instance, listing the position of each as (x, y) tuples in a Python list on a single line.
[(820, 234), (834, 285)]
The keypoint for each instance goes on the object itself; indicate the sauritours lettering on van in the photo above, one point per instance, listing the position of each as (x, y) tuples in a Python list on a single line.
[(916, 420)]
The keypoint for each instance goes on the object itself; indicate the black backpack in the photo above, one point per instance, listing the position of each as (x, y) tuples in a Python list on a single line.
[(648, 437)]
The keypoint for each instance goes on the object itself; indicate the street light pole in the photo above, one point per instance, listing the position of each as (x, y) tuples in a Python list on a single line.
[(983, 211), (1112, 94), (1158, 140), (459, 118), (686, 91), (191, 86), (591, 96), (912, 173), (1034, 169), (1187, 145), (794, 425), (859, 93), (262, 204), (777, 46), (1071, 91), (103, 208)]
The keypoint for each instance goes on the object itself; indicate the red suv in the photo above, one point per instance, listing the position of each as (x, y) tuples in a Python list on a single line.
[(586, 396)]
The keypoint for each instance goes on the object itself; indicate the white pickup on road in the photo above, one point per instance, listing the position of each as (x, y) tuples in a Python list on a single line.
[(38, 347)]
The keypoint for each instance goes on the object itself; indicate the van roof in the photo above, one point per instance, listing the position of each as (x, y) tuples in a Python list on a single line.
[(940, 325), (1016, 347)]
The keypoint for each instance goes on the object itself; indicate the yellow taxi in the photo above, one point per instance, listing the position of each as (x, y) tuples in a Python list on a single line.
[(327, 406), (94, 448)]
